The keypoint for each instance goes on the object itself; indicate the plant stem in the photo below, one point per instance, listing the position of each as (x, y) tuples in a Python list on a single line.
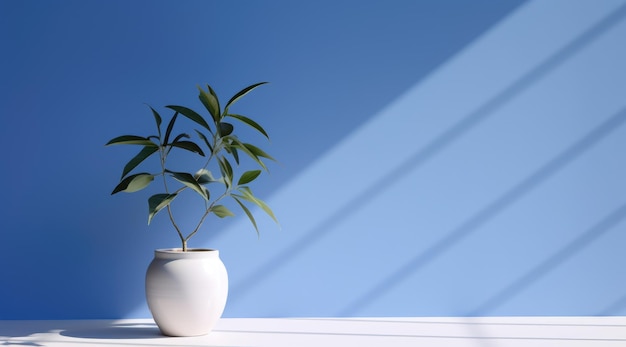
[(169, 208)]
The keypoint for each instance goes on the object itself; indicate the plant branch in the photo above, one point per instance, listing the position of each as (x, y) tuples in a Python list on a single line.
[(206, 213)]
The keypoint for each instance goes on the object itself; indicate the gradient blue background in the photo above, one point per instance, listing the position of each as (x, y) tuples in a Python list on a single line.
[(437, 158)]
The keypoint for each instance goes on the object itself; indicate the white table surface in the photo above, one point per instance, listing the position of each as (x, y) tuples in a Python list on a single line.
[(328, 332)]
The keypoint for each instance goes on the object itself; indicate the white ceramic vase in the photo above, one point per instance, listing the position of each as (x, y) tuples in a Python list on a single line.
[(186, 291)]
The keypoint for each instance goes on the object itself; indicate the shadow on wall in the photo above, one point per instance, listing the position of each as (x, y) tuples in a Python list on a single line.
[(493, 209), (560, 256), (431, 150), (614, 308)]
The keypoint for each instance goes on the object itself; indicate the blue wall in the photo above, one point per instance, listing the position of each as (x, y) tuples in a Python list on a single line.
[(443, 158)]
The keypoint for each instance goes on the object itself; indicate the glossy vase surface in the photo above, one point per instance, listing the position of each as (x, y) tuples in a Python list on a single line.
[(186, 291)]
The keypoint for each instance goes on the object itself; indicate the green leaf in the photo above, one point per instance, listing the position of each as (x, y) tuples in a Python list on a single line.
[(247, 195), (249, 122), (217, 100), (206, 140), (180, 136), (131, 140), (248, 176), (157, 119), (188, 145), (257, 151), (226, 129), (134, 183), (241, 94), (233, 151), (248, 213), (221, 211), (157, 202), (235, 143), (191, 114), (188, 180), (204, 176), (210, 102), (170, 126), (227, 144), (226, 169), (207, 193), (145, 153)]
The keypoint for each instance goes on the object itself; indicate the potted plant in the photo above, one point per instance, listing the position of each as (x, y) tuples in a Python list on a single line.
[(186, 288)]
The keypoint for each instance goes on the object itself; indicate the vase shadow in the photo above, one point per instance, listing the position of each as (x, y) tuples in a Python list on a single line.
[(117, 331)]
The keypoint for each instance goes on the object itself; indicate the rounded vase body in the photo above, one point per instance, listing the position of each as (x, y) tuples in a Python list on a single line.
[(186, 291)]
